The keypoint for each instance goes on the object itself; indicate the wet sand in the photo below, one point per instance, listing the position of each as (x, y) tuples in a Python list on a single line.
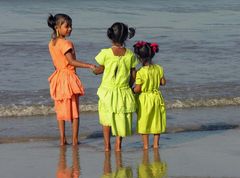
[(198, 154), (29, 148)]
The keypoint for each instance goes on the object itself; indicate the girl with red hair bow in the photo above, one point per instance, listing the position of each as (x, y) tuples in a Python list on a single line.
[(151, 112)]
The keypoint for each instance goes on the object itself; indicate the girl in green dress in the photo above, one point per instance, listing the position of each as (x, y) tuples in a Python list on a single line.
[(116, 99), (151, 112)]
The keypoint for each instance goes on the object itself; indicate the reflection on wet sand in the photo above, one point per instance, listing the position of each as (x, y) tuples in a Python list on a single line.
[(154, 169), (63, 171), (120, 172)]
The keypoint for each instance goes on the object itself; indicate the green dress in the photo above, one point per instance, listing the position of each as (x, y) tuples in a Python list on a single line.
[(116, 100), (151, 112)]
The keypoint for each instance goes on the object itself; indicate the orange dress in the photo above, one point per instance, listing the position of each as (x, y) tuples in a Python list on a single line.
[(65, 85)]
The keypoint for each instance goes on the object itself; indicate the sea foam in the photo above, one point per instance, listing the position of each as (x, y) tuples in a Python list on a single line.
[(34, 110)]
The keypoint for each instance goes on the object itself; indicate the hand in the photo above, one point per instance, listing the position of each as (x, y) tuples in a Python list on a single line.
[(92, 66), (98, 70)]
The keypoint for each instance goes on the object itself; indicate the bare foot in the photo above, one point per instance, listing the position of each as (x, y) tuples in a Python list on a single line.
[(117, 147), (145, 148), (107, 148), (63, 143), (75, 143), (155, 146)]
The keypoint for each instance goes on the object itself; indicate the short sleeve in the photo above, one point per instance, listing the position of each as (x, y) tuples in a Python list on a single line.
[(100, 58), (66, 46), (161, 71), (134, 61), (138, 80)]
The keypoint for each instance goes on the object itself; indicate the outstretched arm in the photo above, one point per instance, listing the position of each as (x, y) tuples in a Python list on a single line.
[(77, 63), (132, 76), (98, 70)]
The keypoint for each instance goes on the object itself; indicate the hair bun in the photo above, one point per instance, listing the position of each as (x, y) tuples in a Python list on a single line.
[(110, 33), (51, 21), (131, 32)]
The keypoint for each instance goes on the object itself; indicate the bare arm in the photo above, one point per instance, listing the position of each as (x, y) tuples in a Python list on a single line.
[(76, 63), (163, 81), (98, 70), (132, 76), (137, 88)]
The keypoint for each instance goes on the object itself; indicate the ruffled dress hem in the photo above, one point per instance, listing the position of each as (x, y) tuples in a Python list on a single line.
[(116, 100), (64, 84)]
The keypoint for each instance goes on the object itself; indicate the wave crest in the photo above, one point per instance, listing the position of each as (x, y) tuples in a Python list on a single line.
[(190, 103), (34, 110), (41, 110)]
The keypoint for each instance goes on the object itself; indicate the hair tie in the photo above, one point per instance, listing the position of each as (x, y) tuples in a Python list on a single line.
[(140, 44)]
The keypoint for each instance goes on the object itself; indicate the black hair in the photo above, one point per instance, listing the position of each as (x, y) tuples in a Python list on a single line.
[(145, 51), (119, 32), (56, 20)]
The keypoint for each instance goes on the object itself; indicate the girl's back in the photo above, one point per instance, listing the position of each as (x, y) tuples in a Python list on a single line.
[(57, 50), (150, 77), (116, 68), (151, 112), (116, 100)]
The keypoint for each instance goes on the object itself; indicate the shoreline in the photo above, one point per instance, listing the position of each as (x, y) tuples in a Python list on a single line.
[(194, 154), (201, 143), (44, 128)]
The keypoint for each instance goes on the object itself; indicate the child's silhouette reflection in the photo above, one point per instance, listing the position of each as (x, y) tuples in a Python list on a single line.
[(120, 172), (63, 171), (154, 169)]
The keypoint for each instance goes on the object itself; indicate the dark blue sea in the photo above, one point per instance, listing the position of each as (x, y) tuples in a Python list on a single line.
[(199, 49)]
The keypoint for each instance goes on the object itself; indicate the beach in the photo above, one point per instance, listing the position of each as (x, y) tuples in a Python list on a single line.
[(210, 150), (199, 51)]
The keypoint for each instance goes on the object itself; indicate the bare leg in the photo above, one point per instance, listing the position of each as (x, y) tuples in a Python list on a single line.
[(75, 128), (156, 140), (61, 126), (106, 136), (145, 141), (118, 143)]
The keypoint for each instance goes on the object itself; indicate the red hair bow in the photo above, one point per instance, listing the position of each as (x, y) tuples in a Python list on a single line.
[(154, 46), (140, 44)]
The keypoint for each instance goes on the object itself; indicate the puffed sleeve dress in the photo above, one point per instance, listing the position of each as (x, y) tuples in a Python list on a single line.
[(151, 112), (116, 100), (65, 85)]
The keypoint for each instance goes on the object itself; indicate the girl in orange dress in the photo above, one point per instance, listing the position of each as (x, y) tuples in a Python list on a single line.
[(65, 85)]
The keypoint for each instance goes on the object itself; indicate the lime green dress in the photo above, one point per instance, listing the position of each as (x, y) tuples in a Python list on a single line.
[(151, 112), (116, 100)]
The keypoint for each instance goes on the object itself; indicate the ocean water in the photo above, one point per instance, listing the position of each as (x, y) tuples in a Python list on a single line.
[(199, 49)]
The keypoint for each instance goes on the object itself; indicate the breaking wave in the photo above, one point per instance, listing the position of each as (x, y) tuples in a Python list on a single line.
[(14, 110)]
